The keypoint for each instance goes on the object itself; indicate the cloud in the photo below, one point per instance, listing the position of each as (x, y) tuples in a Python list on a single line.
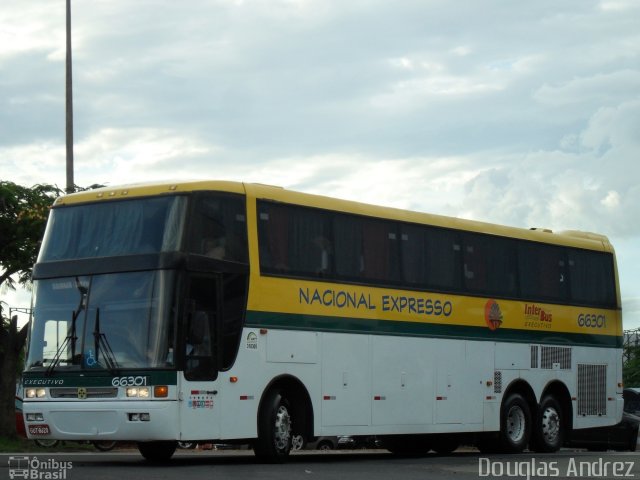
[(610, 88), (518, 113)]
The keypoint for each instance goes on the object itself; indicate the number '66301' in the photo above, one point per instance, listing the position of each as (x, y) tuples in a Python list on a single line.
[(592, 320)]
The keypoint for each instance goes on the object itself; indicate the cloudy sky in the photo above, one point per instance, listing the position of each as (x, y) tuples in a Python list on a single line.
[(522, 113)]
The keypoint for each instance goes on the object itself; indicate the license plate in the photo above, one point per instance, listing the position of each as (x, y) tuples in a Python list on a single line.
[(39, 429)]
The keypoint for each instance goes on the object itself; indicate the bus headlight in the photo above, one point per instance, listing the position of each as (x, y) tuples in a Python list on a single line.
[(35, 392), (140, 392)]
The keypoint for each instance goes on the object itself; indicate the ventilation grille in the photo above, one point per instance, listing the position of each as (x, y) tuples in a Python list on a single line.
[(497, 381), (535, 354), (559, 355), (91, 392), (592, 389)]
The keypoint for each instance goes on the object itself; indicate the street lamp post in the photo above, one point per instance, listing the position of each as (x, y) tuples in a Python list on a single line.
[(69, 106)]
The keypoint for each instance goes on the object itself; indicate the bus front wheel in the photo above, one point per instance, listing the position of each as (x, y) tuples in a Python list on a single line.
[(515, 424), (548, 433), (275, 428), (157, 451)]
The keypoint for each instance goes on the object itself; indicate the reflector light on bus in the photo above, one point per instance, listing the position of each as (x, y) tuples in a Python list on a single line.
[(160, 391), (139, 417)]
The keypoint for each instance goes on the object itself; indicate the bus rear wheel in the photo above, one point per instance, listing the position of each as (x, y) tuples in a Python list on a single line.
[(515, 424), (275, 429), (548, 433), (157, 451)]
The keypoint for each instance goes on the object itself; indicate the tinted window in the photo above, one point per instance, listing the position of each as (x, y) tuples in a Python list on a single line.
[(490, 264), (273, 232), (218, 227), (234, 291), (112, 228), (295, 240), (348, 242), (542, 270), (431, 257), (631, 401), (366, 249), (591, 275), (317, 243)]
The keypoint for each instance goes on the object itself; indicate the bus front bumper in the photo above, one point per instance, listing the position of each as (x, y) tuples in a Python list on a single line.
[(139, 421)]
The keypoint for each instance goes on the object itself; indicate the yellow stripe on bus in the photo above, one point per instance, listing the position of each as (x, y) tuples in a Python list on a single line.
[(271, 294)]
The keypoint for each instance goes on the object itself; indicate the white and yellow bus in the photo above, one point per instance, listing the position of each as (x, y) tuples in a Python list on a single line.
[(222, 311)]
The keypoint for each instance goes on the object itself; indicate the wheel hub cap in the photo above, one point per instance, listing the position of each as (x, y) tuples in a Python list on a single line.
[(283, 428), (516, 423), (550, 425)]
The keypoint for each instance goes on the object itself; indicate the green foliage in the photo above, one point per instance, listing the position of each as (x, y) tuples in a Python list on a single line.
[(23, 217), (631, 367)]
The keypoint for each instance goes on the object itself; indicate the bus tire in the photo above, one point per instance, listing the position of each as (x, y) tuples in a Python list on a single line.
[(446, 445), (515, 424), (407, 445), (46, 442), (104, 445), (488, 444), (548, 432), (157, 452), (275, 428), (325, 445)]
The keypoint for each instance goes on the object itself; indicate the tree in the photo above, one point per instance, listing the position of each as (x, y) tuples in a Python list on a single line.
[(23, 216), (631, 367)]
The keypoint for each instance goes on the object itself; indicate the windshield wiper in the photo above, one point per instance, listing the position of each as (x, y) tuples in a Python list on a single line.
[(100, 341), (71, 337)]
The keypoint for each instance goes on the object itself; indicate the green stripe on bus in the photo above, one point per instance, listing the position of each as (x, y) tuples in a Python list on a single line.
[(460, 332), (88, 378)]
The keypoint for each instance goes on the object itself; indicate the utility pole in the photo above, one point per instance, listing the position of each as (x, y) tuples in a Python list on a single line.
[(69, 106)]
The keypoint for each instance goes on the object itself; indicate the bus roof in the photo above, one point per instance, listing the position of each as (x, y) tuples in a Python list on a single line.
[(588, 240)]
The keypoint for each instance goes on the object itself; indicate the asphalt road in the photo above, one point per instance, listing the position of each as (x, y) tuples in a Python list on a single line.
[(356, 465)]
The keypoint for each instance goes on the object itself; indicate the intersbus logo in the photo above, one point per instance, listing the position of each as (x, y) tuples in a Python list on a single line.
[(492, 314)]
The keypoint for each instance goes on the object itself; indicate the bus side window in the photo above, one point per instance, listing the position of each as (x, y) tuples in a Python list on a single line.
[(542, 272), (347, 232), (273, 232), (592, 280), (219, 227), (380, 251)]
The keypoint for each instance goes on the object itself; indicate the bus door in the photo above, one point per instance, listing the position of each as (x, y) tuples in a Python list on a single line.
[(198, 395)]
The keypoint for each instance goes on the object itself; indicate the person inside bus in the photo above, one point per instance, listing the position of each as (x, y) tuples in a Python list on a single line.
[(322, 255), (215, 247), (198, 344)]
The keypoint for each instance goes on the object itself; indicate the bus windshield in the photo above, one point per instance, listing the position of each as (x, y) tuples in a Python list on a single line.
[(120, 320), (112, 228)]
